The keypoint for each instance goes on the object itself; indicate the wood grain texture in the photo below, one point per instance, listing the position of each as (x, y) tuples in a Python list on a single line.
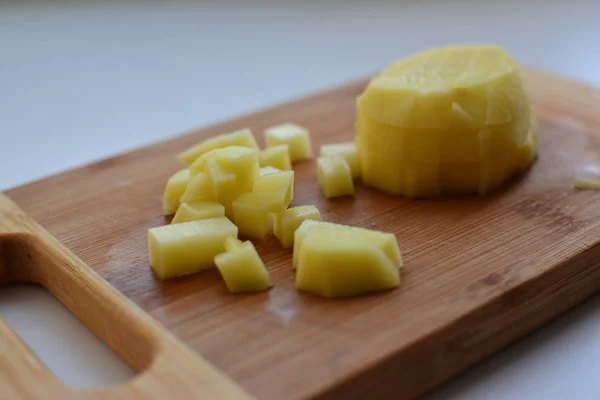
[(29, 254), (479, 271)]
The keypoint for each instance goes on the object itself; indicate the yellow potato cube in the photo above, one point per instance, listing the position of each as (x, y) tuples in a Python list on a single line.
[(587, 183), (252, 217), (174, 190), (310, 228), (243, 138), (277, 157), (296, 137), (243, 270), (288, 221), (199, 165), (335, 177), (187, 248), (197, 210), (241, 161), (232, 243), (275, 191), (347, 150), (199, 188), (331, 267), (268, 170)]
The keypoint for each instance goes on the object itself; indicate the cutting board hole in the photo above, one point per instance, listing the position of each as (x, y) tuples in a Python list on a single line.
[(67, 347)]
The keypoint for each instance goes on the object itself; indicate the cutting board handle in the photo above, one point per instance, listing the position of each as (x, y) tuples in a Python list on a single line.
[(167, 368)]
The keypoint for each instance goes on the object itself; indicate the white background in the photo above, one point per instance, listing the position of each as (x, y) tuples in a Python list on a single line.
[(80, 81)]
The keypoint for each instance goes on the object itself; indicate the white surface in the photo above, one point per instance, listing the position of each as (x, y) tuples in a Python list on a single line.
[(80, 81)]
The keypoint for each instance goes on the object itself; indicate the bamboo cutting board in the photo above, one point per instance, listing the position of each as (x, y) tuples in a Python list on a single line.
[(479, 271)]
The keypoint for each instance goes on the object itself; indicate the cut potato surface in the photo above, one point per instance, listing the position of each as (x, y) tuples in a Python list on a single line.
[(243, 138), (288, 221), (296, 137), (277, 157), (329, 231), (242, 269), (175, 188), (445, 121), (330, 267), (198, 210), (587, 183), (199, 188), (267, 171), (275, 190), (335, 177), (252, 216), (347, 150), (189, 247)]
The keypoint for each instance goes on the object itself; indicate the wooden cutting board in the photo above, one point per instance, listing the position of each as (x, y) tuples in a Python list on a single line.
[(479, 272)]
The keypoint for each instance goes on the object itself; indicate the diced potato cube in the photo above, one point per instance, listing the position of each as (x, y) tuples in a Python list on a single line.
[(335, 177), (243, 270), (241, 161), (587, 183), (243, 138), (174, 190), (347, 150), (385, 241), (288, 221), (277, 157), (199, 165), (275, 191), (232, 171), (331, 267), (296, 137), (187, 248), (252, 217), (232, 243), (268, 170), (197, 210), (199, 188)]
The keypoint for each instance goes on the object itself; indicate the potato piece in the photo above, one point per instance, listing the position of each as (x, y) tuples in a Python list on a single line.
[(385, 241), (232, 243), (330, 267), (243, 270), (243, 138), (288, 221), (182, 249), (275, 191), (175, 188), (277, 157), (198, 210), (232, 171), (296, 137), (199, 188), (335, 177), (347, 150), (252, 217), (267, 171), (453, 120), (587, 183)]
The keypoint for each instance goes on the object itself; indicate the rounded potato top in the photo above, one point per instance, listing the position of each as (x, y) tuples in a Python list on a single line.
[(453, 87)]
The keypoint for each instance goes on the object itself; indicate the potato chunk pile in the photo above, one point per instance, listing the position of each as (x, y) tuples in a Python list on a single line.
[(232, 187)]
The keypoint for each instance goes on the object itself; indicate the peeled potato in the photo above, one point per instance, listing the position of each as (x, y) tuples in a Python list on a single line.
[(445, 121)]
